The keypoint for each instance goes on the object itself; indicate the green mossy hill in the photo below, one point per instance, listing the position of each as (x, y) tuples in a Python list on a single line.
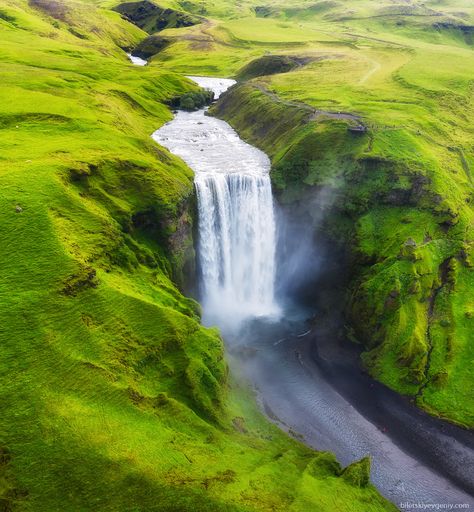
[(401, 205), (457, 30), (153, 18), (260, 117), (113, 396), (269, 65)]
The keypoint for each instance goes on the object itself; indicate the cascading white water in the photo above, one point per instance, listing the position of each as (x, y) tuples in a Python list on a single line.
[(137, 60), (236, 244), (236, 220)]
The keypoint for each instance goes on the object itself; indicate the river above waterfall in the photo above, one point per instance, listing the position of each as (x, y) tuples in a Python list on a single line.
[(415, 458), (137, 60)]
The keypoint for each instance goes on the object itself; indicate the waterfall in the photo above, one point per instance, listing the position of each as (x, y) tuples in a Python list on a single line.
[(236, 239), (236, 245)]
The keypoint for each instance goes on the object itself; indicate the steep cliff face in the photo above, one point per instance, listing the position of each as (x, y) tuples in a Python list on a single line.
[(409, 270)]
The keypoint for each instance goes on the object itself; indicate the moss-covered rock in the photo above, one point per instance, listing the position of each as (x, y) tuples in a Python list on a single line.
[(324, 464), (193, 100), (358, 473), (152, 18)]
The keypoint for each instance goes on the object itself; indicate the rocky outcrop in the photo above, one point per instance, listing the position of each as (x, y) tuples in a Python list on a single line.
[(152, 18)]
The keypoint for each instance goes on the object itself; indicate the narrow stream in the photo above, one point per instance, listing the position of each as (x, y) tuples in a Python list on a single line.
[(137, 60), (415, 458)]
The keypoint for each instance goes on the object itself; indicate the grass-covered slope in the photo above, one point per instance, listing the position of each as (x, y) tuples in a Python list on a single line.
[(113, 397), (400, 192), (409, 300)]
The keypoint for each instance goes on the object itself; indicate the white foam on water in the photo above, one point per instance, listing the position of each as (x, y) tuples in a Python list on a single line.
[(137, 60)]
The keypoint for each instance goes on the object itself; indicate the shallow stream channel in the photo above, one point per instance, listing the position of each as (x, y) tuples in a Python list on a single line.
[(327, 404)]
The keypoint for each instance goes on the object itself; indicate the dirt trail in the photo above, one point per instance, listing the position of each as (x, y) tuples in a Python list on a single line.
[(313, 112), (375, 67)]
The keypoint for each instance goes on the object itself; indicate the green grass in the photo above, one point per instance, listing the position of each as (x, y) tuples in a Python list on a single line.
[(114, 397)]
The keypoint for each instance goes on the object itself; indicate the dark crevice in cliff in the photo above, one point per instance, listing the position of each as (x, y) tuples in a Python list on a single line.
[(443, 282), (150, 46)]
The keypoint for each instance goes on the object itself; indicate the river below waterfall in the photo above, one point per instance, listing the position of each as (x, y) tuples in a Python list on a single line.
[(332, 406)]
